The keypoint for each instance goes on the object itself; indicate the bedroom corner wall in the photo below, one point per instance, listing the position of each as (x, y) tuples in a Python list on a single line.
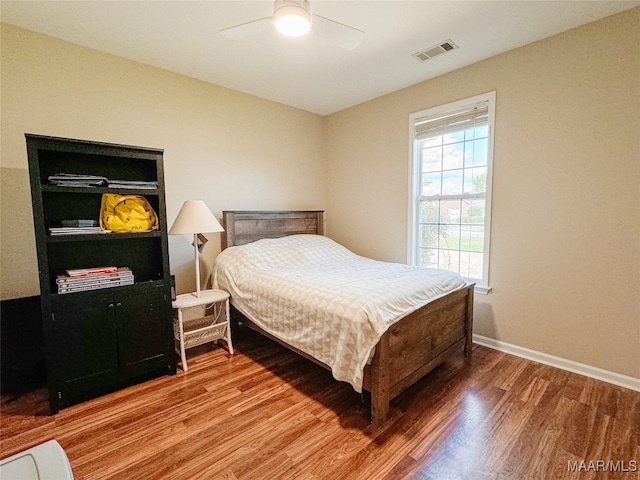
[(232, 150), (565, 248)]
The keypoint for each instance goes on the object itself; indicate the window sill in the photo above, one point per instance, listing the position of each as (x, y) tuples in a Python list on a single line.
[(482, 290)]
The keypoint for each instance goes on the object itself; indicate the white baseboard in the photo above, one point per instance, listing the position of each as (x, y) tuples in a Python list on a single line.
[(625, 381)]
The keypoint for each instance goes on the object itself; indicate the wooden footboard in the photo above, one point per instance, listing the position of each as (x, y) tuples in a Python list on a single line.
[(417, 344), (410, 349)]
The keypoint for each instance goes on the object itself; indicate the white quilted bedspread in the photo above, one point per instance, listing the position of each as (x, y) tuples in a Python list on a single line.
[(323, 299)]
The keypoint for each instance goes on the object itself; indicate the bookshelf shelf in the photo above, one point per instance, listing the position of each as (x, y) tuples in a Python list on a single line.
[(101, 237), (100, 190)]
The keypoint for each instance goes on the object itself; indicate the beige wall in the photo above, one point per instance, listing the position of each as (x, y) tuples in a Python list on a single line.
[(232, 150), (565, 251), (565, 257)]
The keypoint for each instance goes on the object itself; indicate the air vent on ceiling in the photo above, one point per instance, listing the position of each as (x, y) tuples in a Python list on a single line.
[(442, 47)]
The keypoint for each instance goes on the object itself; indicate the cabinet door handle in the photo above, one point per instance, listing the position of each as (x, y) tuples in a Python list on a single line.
[(119, 304), (111, 305)]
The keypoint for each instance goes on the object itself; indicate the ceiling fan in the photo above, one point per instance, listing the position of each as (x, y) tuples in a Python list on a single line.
[(294, 18)]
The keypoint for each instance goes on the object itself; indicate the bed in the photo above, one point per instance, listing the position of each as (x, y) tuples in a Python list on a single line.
[(409, 336)]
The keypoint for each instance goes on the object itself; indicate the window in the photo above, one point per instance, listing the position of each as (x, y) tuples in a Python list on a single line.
[(451, 165)]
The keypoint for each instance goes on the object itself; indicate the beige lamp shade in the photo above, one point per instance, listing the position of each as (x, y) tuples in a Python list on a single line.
[(195, 217)]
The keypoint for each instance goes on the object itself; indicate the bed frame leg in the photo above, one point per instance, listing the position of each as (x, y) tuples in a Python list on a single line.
[(380, 383), (234, 322), (379, 409), (468, 342)]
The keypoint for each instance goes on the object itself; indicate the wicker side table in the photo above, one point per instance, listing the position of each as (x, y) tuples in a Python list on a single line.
[(211, 326)]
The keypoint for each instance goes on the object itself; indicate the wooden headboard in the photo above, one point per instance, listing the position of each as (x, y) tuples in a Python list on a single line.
[(242, 227)]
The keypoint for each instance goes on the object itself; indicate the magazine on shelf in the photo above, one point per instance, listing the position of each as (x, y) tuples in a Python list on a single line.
[(97, 286), (79, 222), (133, 184), (77, 180), (90, 271), (76, 230), (73, 284), (82, 279), (122, 273)]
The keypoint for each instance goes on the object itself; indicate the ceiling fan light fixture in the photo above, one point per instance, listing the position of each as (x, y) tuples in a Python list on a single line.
[(292, 18)]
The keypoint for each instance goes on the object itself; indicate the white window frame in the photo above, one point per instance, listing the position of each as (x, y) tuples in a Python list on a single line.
[(415, 183)]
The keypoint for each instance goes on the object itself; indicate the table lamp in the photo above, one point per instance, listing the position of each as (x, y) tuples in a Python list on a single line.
[(195, 218)]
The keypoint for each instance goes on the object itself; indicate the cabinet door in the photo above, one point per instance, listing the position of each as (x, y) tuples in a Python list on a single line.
[(144, 328), (85, 341)]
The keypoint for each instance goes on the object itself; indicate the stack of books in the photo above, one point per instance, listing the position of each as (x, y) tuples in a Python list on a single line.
[(133, 184), (84, 279), (75, 180), (81, 180), (76, 230), (79, 222), (77, 226)]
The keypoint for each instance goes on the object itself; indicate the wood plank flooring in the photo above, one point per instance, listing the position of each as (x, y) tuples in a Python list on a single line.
[(266, 413)]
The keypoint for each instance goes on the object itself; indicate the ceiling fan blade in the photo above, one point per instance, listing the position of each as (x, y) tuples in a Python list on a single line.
[(245, 29), (345, 36)]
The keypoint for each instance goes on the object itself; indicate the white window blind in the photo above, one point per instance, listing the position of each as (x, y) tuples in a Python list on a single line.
[(452, 121)]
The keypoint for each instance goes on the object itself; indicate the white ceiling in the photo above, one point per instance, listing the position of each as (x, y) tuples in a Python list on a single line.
[(310, 73)]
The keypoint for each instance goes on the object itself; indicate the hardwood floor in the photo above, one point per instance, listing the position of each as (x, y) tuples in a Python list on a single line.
[(266, 413)]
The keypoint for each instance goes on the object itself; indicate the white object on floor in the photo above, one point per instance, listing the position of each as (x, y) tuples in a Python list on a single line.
[(42, 462)]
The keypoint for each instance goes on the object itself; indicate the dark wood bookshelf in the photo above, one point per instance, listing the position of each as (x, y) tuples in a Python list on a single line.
[(100, 340)]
